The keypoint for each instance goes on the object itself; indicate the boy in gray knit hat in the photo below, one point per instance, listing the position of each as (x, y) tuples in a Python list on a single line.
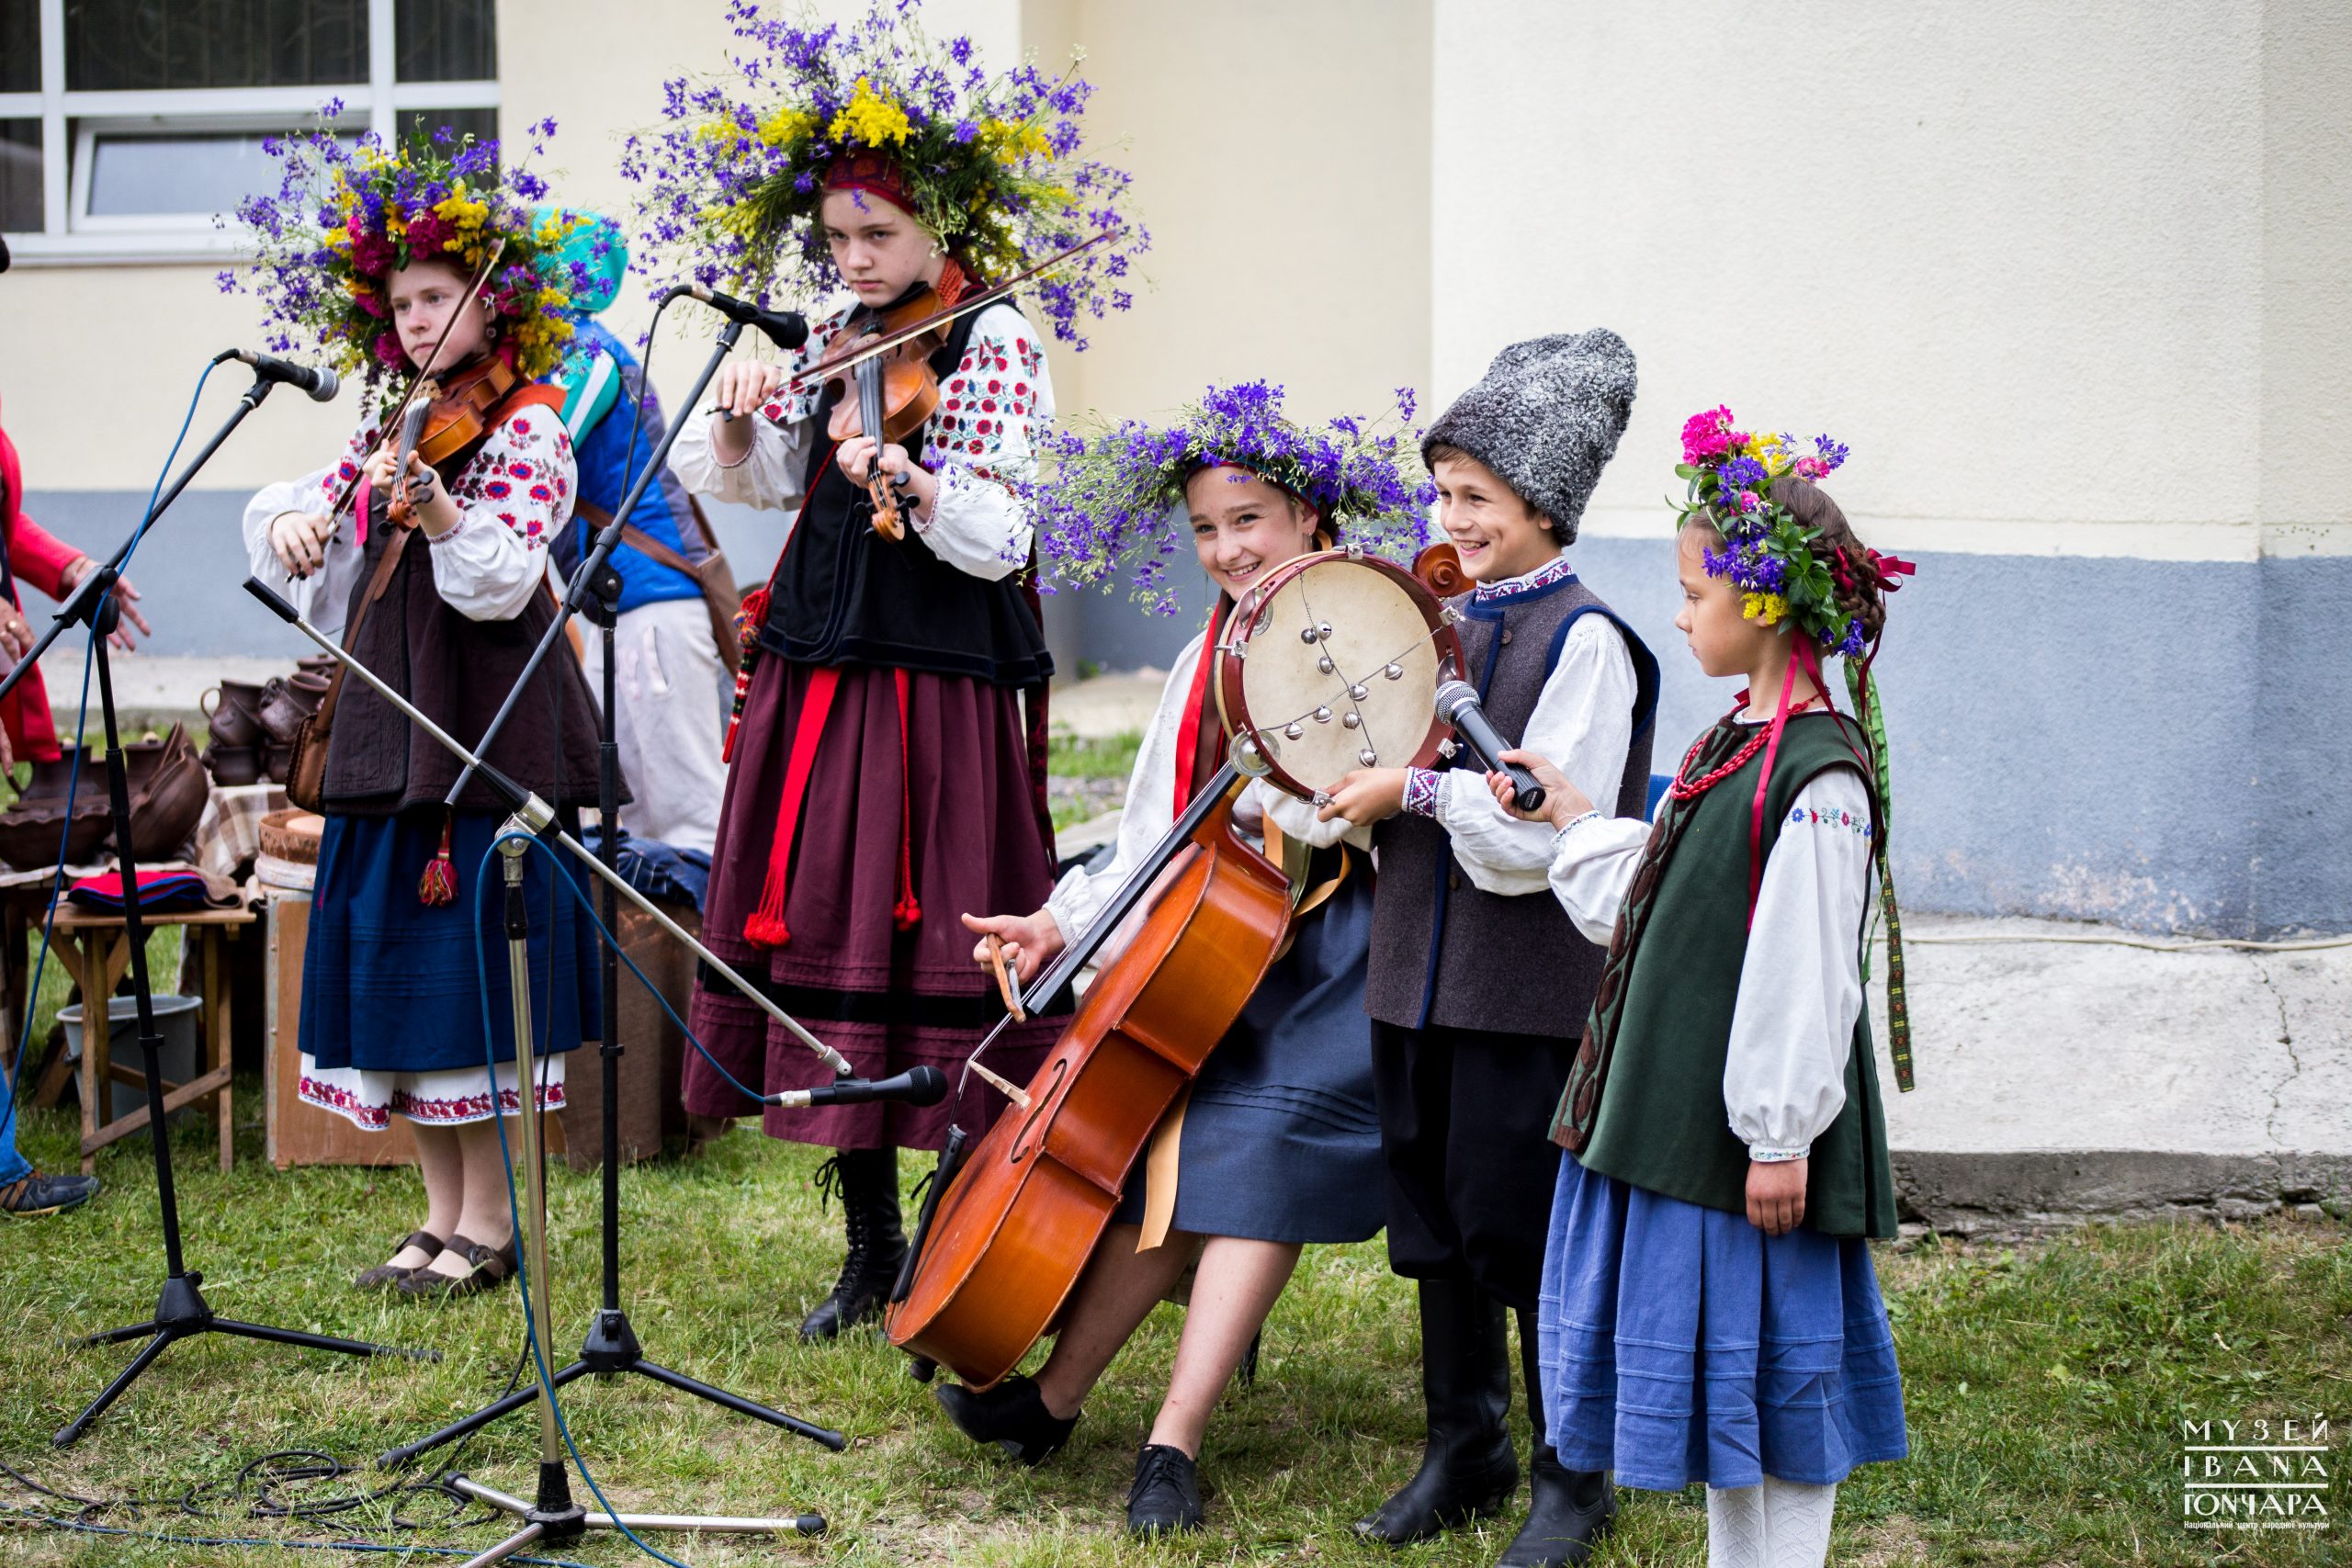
[(1479, 984)]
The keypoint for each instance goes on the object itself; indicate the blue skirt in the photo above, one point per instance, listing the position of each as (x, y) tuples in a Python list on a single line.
[(1280, 1140), (1680, 1344), (390, 983)]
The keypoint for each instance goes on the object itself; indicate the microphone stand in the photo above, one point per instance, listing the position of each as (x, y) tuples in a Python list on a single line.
[(534, 815), (554, 1518), (181, 1311), (611, 1346)]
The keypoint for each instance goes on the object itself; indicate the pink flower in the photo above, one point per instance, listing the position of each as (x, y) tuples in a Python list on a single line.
[(1811, 467), (388, 349), (1708, 435)]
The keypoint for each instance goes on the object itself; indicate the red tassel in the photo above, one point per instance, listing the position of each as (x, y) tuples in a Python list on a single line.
[(748, 622), (438, 886), (764, 925), (906, 912)]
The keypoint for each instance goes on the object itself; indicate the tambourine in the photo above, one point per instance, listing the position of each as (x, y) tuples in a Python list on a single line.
[(1331, 665)]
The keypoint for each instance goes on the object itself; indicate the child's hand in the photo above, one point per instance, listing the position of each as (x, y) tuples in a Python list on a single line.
[(743, 385), (1030, 941), (300, 540), (1776, 1195), (1367, 795), (1563, 802)]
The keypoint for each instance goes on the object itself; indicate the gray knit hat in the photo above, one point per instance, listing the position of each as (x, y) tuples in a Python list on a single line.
[(1545, 419)]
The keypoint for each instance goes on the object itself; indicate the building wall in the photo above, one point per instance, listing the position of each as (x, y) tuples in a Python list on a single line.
[(2070, 281)]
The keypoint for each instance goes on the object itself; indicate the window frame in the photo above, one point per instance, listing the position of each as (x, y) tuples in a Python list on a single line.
[(69, 121)]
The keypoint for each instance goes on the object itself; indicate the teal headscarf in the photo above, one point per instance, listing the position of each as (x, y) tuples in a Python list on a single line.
[(597, 245)]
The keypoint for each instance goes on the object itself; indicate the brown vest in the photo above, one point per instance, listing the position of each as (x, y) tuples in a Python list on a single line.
[(458, 671), (1446, 951)]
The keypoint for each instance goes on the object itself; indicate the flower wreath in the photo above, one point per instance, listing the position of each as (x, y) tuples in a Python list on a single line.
[(1113, 495), (350, 212), (734, 180)]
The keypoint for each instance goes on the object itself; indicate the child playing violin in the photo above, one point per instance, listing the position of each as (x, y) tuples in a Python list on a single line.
[(885, 763), (1277, 1144), (436, 579), (1726, 1162)]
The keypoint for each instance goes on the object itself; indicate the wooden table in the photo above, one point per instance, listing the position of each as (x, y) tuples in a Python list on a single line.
[(97, 951)]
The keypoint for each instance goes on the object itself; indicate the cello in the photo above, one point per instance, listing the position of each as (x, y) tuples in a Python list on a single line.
[(1003, 1236)]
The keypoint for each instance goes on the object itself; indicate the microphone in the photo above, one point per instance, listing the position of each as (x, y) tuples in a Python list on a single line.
[(785, 329), (1457, 705), (320, 383), (916, 1086)]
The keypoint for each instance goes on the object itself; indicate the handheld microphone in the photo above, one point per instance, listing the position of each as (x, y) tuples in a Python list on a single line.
[(916, 1086), (1457, 705), (785, 329), (321, 383)]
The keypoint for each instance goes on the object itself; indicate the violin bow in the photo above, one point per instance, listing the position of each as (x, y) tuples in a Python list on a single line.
[(964, 307), (399, 412)]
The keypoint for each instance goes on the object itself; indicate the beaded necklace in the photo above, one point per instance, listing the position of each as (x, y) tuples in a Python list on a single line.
[(1686, 788)]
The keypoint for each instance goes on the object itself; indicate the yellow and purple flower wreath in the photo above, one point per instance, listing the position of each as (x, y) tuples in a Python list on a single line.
[(350, 212)]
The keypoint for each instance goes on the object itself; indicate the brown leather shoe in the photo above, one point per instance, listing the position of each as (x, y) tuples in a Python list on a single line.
[(491, 1267), (388, 1274)]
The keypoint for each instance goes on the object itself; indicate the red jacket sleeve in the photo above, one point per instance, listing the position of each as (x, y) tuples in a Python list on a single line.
[(35, 554)]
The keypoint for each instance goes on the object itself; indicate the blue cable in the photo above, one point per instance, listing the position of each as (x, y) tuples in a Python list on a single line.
[(527, 1077), (8, 1079)]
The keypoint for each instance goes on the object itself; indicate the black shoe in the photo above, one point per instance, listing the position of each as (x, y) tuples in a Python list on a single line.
[(31, 1196), (1468, 1471), (1010, 1416), (868, 1180), (1166, 1497), (1572, 1509)]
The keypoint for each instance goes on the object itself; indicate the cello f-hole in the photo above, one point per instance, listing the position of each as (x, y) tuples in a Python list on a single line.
[(1045, 1100)]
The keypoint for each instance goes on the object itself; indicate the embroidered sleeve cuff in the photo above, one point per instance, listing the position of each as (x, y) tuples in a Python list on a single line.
[(1420, 792), (1777, 1153), (1572, 824), (457, 528)]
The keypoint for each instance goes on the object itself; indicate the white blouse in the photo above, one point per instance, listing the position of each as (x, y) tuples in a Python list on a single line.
[(513, 499), (980, 445), (1583, 722), (1151, 809), (1801, 982)]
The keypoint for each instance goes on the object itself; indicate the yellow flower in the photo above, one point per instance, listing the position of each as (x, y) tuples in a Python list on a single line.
[(1015, 139), (1768, 608), (395, 223), (336, 239), (1771, 451), (870, 119), (464, 211), (791, 125)]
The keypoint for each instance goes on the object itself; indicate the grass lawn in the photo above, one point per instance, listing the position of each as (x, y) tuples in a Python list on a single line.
[(2046, 1385)]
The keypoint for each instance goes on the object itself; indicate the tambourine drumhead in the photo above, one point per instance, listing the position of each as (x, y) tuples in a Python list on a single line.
[(1332, 664)]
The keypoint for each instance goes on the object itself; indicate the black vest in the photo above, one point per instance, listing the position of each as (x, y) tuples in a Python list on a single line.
[(843, 594), (458, 671), (1444, 950)]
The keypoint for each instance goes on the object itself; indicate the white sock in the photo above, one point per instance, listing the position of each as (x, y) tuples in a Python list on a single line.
[(1781, 1524), (1736, 1536)]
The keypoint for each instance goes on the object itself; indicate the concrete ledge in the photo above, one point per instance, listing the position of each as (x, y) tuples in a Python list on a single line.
[(1991, 1194)]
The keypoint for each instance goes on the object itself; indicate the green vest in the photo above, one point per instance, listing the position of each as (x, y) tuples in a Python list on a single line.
[(1659, 1121)]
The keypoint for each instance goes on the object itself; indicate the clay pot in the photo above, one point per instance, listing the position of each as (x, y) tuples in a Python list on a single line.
[(233, 765), (277, 761), (236, 718), (288, 702), (167, 802), (28, 834)]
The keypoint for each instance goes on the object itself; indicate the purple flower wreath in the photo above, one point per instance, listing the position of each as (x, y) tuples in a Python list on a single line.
[(733, 178), (1767, 553), (349, 212), (1115, 498)]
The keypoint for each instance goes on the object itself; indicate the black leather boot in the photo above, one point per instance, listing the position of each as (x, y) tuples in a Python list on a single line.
[(867, 1181), (1468, 1469), (1570, 1509), (1011, 1415)]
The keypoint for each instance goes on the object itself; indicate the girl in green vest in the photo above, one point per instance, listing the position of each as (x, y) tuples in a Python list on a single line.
[(1709, 1311)]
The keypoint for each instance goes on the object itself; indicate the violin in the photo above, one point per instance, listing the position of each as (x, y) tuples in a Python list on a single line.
[(889, 394), (445, 417)]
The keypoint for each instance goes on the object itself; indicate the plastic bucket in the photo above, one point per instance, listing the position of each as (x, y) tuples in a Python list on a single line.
[(176, 1020)]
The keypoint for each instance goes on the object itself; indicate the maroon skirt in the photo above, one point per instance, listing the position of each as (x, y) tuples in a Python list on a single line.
[(940, 807)]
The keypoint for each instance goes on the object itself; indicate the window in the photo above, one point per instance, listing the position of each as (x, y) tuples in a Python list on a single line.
[(125, 125)]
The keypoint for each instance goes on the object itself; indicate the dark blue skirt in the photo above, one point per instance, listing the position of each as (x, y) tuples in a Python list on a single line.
[(1281, 1141), (390, 984), (1681, 1344)]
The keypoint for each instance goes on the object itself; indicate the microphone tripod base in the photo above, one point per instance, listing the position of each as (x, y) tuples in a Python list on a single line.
[(570, 1521)]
